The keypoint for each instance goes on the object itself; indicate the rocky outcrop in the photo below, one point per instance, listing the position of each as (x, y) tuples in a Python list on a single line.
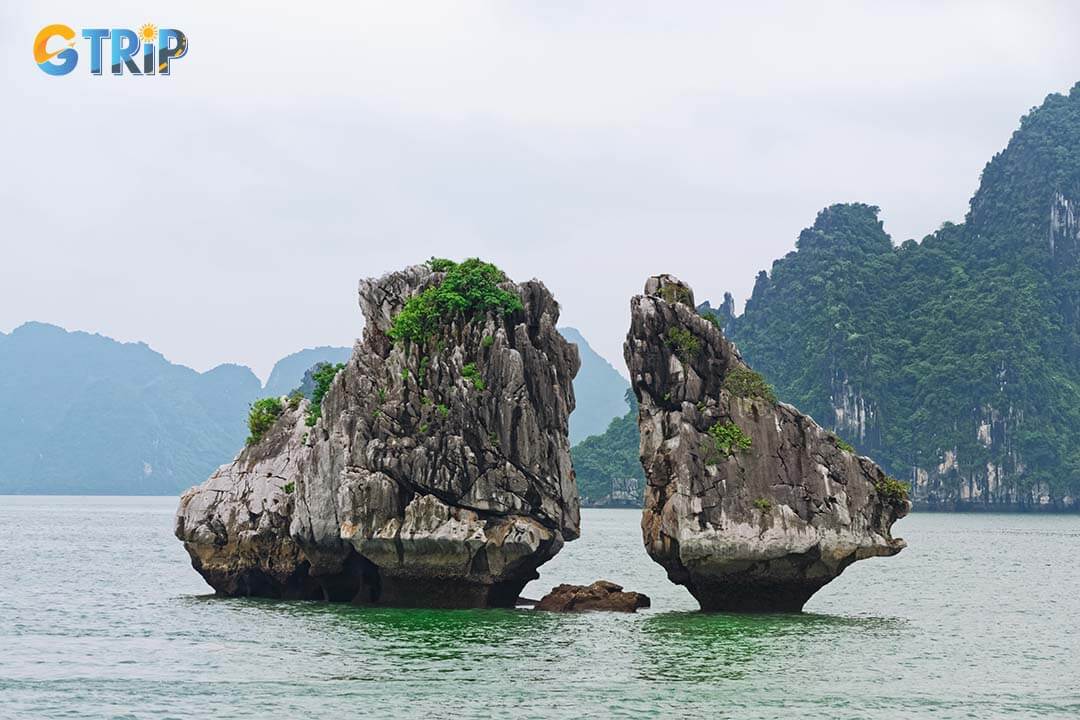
[(601, 595), (235, 526), (749, 503), (438, 473)]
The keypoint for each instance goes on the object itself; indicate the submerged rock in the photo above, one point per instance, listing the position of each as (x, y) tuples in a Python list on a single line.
[(437, 472), (601, 595), (748, 503)]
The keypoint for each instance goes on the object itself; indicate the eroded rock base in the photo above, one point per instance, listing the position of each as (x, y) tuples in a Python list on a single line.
[(284, 573), (781, 585), (734, 596), (358, 581)]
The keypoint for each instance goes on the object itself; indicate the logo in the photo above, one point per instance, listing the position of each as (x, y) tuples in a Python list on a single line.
[(147, 51)]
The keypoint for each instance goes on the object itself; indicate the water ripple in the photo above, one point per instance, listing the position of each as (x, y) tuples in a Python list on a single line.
[(101, 615)]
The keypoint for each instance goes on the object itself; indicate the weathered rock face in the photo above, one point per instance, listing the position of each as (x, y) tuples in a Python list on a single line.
[(764, 510), (601, 595), (437, 475)]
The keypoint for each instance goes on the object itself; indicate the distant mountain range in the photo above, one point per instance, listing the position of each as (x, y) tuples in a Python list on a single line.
[(85, 414)]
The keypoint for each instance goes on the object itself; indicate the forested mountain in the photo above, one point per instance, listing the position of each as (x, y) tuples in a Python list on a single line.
[(607, 463), (598, 388), (954, 361), (85, 414)]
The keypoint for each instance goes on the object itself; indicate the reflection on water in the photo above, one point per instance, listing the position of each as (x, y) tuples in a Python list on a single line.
[(702, 647), (403, 636)]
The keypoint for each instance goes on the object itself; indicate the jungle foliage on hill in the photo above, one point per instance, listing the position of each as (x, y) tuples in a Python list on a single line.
[(933, 334), (612, 455)]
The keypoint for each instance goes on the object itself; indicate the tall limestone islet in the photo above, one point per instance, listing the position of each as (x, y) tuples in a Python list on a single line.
[(748, 503), (435, 471)]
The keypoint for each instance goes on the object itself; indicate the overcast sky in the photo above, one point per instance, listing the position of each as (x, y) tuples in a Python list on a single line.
[(225, 213)]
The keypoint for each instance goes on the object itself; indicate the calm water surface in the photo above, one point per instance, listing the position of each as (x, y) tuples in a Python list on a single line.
[(101, 615)]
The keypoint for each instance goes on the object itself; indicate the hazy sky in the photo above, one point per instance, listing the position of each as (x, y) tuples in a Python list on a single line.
[(225, 213)]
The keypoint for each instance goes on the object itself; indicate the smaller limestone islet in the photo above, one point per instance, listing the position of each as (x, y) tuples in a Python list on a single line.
[(749, 503)]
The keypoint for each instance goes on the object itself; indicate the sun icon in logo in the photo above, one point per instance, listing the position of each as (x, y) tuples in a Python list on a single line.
[(148, 32)]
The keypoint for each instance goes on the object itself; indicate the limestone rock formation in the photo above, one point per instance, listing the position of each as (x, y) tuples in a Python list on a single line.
[(235, 526), (749, 503), (601, 595), (438, 470)]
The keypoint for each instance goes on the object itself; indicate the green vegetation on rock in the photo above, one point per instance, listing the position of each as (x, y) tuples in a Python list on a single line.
[(711, 317), (675, 294), (470, 373), (262, 416), (892, 489), (440, 264), (324, 377), (726, 439), (287, 371), (843, 445), (468, 289), (746, 383), (683, 342)]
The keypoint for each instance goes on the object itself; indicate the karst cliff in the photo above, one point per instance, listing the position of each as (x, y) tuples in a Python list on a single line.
[(434, 472), (748, 503)]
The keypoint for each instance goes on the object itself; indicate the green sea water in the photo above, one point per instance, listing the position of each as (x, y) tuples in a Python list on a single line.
[(101, 616)]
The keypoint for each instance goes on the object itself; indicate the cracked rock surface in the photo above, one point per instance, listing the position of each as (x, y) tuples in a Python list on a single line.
[(753, 526), (419, 484)]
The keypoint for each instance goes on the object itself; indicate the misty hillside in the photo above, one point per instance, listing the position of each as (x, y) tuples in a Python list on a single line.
[(85, 414), (599, 390), (289, 370)]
